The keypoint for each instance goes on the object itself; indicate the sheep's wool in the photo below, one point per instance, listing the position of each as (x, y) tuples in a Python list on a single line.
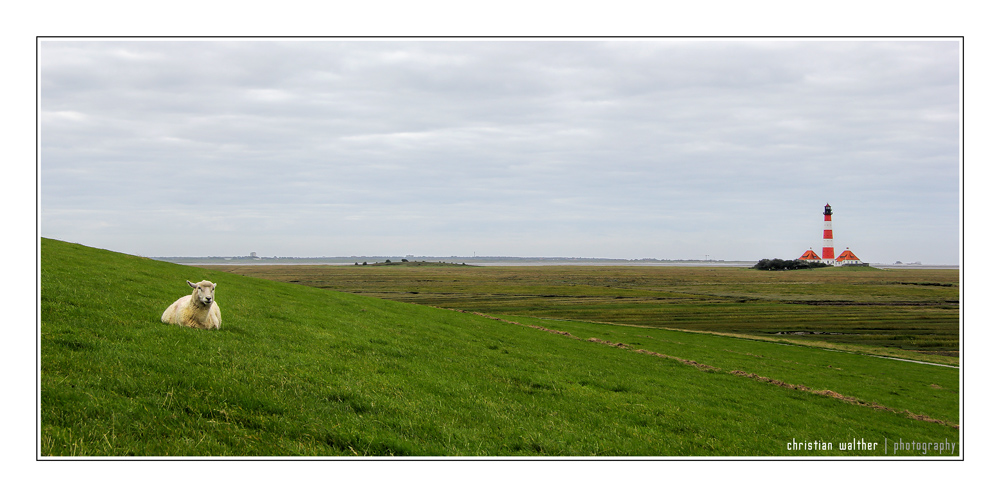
[(198, 310)]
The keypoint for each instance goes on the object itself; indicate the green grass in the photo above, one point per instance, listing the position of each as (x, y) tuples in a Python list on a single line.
[(929, 391), (299, 371), (900, 309)]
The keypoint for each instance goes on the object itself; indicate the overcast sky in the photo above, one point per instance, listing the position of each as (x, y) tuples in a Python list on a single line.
[(625, 148)]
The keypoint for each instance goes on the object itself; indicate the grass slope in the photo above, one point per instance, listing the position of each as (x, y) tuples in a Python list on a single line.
[(299, 371)]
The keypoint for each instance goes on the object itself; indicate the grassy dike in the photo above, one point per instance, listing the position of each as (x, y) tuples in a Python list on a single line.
[(299, 371)]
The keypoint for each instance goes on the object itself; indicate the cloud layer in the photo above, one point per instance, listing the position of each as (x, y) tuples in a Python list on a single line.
[(666, 148)]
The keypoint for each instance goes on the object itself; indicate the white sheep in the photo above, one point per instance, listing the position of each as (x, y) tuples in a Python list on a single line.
[(198, 310)]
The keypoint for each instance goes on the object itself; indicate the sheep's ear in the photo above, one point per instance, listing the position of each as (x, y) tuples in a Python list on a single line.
[(213, 285), (191, 284)]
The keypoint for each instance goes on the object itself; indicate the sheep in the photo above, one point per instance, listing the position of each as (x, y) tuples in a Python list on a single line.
[(198, 310)]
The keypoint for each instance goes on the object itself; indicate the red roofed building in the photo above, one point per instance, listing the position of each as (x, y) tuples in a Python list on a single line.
[(847, 257), (810, 256)]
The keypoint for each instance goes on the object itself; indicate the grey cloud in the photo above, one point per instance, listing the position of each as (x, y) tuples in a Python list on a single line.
[(442, 141)]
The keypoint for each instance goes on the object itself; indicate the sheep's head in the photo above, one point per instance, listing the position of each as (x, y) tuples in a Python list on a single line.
[(204, 291)]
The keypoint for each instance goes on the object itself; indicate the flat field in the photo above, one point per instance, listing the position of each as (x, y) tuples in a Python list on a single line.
[(912, 313)]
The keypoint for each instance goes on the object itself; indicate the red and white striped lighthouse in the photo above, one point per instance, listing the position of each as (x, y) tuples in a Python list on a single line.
[(828, 256)]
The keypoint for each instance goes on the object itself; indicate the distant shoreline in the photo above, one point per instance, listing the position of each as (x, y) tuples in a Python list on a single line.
[(478, 261), (487, 261)]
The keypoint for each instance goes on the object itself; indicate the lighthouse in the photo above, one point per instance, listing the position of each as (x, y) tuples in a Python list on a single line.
[(847, 258), (828, 256)]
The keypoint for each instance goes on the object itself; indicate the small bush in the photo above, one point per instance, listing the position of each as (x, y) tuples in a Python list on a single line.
[(783, 265)]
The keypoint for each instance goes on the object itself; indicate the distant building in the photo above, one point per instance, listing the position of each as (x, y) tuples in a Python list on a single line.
[(828, 234), (810, 256), (847, 258)]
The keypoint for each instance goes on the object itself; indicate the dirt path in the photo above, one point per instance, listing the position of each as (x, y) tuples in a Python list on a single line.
[(768, 339)]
